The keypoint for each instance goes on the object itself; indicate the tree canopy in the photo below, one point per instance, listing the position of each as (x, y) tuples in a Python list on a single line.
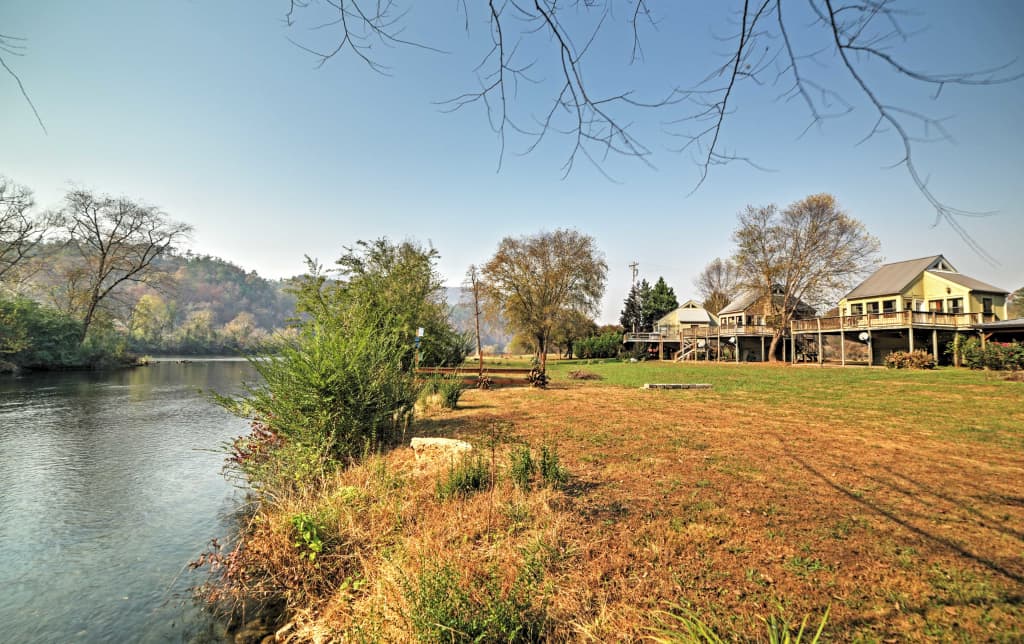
[(810, 251), (118, 241), (536, 280), (717, 284)]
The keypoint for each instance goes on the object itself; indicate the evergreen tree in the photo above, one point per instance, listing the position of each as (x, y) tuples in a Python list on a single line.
[(660, 299), (632, 316)]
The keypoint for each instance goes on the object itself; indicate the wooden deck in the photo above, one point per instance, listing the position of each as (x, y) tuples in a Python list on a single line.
[(894, 320)]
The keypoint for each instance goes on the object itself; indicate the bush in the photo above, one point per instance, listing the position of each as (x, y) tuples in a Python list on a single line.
[(606, 345), (998, 356), (33, 336), (332, 395), (910, 360)]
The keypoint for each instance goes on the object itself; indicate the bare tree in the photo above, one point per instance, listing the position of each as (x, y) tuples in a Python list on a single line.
[(809, 52), (15, 46), (20, 230), (808, 251), (717, 284), (535, 280), (118, 241), (472, 288)]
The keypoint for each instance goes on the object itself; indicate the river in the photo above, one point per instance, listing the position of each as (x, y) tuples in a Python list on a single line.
[(110, 483)]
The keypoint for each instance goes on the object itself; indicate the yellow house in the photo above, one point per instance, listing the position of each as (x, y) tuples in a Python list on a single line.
[(927, 285), (689, 315)]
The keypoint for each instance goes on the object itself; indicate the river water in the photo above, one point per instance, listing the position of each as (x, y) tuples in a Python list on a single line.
[(110, 483)]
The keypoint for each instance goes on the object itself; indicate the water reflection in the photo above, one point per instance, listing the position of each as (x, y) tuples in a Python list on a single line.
[(109, 484)]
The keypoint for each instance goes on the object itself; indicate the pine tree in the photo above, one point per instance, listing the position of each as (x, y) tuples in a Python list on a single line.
[(660, 299), (632, 317)]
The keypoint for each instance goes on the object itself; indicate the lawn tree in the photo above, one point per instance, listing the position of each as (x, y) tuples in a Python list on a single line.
[(717, 284), (535, 280), (632, 316), (117, 241), (20, 231), (660, 300), (585, 65), (812, 250)]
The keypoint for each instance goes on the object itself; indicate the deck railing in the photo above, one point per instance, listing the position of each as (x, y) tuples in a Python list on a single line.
[(893, 319), (700, 333)]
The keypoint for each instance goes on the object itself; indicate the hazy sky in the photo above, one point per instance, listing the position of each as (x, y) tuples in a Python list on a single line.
[(207, 110)]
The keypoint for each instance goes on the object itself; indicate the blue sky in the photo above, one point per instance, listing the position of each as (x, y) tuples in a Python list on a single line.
[(205, 109)]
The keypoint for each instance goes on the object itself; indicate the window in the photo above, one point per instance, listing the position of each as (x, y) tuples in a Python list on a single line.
[(986, 305), (935, 306), (873, 308), (956, 304), (857, 309), (888, 306)]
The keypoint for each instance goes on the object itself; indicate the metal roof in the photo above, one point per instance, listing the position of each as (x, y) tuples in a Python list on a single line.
[(1015, 324), (741, 302), (969, 282), (688, 314), (892, 279)]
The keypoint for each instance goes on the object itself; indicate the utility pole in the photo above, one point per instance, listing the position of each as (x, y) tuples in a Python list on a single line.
[(635, 268)]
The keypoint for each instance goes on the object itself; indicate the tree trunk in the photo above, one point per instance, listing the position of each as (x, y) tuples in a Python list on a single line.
[(94, 300), (772, 356)]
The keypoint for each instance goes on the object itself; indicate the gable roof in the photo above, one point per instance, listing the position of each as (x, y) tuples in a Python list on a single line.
[(891, 279), (969, 282), (688, 312), (741, 302)]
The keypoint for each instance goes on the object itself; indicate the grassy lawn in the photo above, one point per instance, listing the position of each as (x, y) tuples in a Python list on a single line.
[(892, 499), (895, 497)]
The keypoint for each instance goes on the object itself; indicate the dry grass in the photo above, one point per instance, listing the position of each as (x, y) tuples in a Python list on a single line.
[(735, 503)]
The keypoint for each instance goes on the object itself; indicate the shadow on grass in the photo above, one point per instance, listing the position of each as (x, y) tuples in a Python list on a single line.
[(892, 516)]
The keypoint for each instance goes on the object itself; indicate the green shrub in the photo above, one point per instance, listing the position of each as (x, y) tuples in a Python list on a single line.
[(522, 467), (451, 390), (551, 470), (910, 360), (446, 608), (998, 356), (465, 477), (33, 336), (336, 393), (607, 345)]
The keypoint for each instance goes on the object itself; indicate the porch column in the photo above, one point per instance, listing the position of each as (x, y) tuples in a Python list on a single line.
[(821, 348), (871, 350), (842, 339), (935, 345), (762, 348), (910, 337)]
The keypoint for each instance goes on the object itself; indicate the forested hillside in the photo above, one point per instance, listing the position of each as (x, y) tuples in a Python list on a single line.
[(201, 304)]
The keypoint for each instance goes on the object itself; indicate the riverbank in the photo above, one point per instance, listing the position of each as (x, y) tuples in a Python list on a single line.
[(780, 493)]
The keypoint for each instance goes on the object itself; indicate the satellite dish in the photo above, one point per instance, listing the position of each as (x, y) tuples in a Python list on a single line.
[(732, 340), (701, 343), (863, 336)]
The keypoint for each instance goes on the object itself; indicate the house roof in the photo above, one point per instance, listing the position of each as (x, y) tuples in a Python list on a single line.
[(1016, 324), (969, 282), (689, 312), (741, 302), (891, 279)]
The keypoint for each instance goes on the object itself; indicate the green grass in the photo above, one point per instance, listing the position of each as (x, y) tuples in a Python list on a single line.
[(975, 406)]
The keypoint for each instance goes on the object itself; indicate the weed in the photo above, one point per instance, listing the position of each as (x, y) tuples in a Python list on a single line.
[(551, 470), (308, 538), (681, 624), (446, 608), (805, 566), (523, 467), (780, 632), (468, 476)]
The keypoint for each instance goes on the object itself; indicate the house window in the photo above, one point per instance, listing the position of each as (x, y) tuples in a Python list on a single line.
[(935, 306), (888, 306), (873, 308), (857, 309), (956, 304), (986, 305)]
